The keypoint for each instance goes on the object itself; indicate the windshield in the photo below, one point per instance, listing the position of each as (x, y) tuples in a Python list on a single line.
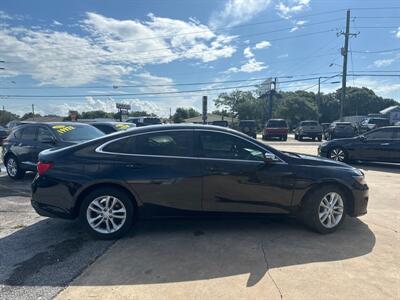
[(309, 123), (76, 132)]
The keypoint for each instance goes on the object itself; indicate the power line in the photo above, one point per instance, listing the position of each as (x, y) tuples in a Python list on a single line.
[(376, 51)]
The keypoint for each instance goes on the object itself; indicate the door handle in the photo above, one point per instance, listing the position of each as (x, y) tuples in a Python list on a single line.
[(385, 144)]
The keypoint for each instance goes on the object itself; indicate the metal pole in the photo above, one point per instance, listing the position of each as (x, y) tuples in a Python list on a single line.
[(319, 98), (33, 112), (344, 53)]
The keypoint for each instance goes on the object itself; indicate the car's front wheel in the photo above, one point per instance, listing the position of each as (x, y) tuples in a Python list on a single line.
[(324, 210), (338, 154), (14, 171), (107, 213)]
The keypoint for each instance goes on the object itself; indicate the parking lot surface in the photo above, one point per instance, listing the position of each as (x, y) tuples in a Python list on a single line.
[(249, 258)]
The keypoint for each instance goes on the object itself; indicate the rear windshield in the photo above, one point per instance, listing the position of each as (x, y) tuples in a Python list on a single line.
[(344, 125), (276, 123), (309, 123), (76, 132)]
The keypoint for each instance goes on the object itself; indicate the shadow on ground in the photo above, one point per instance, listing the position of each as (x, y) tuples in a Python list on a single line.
[(176, 250), (20, 187)]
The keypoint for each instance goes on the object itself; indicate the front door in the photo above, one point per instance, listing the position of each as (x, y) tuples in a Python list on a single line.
[(237, 179), (378, 145)]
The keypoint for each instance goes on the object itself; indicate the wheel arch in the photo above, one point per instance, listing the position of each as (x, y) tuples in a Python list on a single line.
[(115, 185), (345, 189)]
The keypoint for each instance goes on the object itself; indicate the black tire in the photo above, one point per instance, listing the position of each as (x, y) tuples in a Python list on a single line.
[(284, 138), (123, 197), (311, 209), (336, 152), (19, 173), (296, 137), (320, 138), (300, 138), (264, 138)]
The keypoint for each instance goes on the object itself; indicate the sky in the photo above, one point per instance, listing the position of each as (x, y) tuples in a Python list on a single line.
[(158, 55)]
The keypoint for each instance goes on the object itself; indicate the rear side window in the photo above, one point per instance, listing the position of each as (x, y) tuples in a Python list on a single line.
[(29, 133), (179, 143), (383, 134), (17, 134)]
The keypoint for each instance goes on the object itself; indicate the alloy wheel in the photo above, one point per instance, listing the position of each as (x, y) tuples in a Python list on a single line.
[(106, 214), (331, 210), (337, 154), (12, 167)]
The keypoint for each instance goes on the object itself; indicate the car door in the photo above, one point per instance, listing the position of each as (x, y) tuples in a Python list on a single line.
[(377, 145), (395, 145), (26, 147), (159, 167), (237, 179)]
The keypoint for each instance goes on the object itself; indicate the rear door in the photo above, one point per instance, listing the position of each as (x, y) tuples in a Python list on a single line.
[(26, 146), (236, 178), (160, 168)]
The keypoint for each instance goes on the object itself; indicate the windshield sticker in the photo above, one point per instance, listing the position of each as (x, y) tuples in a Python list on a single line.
[(61, 129)]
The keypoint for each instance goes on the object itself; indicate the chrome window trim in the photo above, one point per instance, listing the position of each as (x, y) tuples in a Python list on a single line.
[(99, 149)]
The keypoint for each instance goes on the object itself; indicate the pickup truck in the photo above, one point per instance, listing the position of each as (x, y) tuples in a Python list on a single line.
[(309, 129)]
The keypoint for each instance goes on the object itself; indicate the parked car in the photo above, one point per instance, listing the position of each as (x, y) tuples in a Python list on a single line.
[(22, 147), (3, 134), (275, 128), (110, 127), (325, 127), (222, 123), (339, 130), (248, 127), (382, 144), (144, 121), (372, 123), (310, 129), (109, 182)]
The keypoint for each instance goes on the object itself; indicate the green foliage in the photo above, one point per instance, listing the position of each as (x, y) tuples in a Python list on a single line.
[(29, 115), (141, 114), (184, 113), (232, 101), (6, 116)]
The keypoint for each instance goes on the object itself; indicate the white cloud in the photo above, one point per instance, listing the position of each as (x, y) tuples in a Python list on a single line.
[(247, 53), (4, 16), (398, 33), (56, 23), (237, 12), (383, 62), (383, 88), (251, 66), (262, 45), (109, 49), (287, 8)]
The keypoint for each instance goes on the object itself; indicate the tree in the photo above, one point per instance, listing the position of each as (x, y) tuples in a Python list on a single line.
[(6, 116), (231, 102), (184, 113), (29, 115), (141, 114)]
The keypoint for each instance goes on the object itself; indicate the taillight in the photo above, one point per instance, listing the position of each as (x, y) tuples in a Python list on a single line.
[(43, 167)]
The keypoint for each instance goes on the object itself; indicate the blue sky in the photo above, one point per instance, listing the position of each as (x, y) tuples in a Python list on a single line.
[(91, 54)]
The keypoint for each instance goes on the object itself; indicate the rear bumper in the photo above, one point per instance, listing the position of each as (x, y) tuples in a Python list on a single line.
[(311, 134)]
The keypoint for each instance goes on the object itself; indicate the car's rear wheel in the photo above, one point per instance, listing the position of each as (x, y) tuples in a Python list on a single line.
[(320, 138), (324, 210), (107, 213), (13, 168), (338, 154)]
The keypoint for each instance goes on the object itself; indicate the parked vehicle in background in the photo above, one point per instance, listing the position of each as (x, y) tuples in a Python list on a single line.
[(339, 130), (144, 121), (12, 124), (382, 144), (110, 127), (309, 129), (325, 127), (221, 123), (3, 134), (22, 147), (204, 169), (372, 123), (275, 128), (248, 127)]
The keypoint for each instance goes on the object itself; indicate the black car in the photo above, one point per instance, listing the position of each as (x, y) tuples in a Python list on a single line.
[(144, 121), (110, 127), (248, 127), (3, 134), (22, 147), (339, 130), (109, 182), (382, 144)]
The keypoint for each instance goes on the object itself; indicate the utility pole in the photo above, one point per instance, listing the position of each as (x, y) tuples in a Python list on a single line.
[(345, 51), (271, 97), (33, 112), (318, 97)]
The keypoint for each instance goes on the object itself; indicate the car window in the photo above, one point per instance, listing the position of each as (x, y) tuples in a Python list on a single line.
[(44, 133), (168, 143), (276, 123), (104, 128), (226, 146), (382, 134), (18, 134), (76, 132), (29, 133), (309, 123)]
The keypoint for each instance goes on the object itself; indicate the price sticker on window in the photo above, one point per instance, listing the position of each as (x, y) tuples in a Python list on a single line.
[(61, 129)]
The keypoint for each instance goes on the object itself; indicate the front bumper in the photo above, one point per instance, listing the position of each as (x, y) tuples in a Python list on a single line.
[(360, 198)]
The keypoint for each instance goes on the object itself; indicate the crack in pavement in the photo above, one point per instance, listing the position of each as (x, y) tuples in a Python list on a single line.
[(269, 274)]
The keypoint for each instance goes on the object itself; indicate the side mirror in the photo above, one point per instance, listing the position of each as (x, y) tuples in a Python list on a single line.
[(47, 140), (269, 157)]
